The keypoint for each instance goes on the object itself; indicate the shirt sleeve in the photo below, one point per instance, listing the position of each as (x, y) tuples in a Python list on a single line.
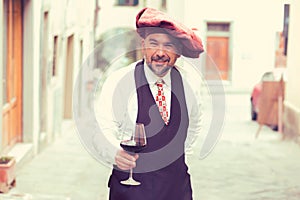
[(195, 125), (111, 113), (193, 96)]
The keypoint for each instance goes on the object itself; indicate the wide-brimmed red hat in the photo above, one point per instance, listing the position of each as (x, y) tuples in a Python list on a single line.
[(150, 18)]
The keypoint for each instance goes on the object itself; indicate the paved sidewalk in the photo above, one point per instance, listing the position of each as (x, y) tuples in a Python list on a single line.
[(62, 171), (240, 167), (244, 168)]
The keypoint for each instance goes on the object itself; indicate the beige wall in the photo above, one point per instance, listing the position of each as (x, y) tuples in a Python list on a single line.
[(31, 32), (75, 18), (112, 16), (177, 10), (292, 100), (1, 65), (293, 61), (66, 17), (253, 34)]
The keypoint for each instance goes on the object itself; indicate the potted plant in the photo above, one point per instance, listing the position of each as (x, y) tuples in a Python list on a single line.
[(7, 173)]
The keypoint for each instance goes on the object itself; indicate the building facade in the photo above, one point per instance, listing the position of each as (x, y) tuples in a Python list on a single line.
[(291, 119), (42, 45), (242, 40), (239, 37)]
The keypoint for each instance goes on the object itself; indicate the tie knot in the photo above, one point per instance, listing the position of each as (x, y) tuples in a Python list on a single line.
[(159, 83)]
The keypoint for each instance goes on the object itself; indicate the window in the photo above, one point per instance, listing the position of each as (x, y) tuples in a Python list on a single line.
[(218, 60), (286, 26), (224, 27), (164, 4), (54, 62), (127, 2)]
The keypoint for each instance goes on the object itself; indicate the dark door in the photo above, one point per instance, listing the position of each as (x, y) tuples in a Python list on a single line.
[(12, 74)]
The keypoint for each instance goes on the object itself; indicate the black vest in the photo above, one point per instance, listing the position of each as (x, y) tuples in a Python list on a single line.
[(161, 165)]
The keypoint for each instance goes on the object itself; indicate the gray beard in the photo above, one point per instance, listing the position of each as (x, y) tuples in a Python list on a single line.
[(162, 72)]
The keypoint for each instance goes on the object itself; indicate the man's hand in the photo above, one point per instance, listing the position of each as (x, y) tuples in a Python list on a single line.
[(125, 161)]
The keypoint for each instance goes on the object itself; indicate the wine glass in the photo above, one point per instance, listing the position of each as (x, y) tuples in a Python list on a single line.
[(135, 144)]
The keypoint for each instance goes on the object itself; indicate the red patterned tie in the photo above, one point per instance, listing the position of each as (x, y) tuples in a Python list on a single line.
[(161, 101)]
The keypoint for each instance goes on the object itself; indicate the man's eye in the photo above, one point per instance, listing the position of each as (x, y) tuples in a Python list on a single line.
[(153, 44), (169, 46)]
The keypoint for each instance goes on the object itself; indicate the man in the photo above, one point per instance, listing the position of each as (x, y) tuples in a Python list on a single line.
[(152, 92)]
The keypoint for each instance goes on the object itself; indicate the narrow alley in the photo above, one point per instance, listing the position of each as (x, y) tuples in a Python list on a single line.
[(55, 58), (239, 168)]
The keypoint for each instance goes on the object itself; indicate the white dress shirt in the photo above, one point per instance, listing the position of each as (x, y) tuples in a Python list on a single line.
[(116, 108)]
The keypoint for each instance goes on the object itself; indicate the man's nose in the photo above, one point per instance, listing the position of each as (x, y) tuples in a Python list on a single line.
[(160, 51)]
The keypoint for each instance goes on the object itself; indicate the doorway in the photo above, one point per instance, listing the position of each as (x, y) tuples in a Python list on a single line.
[(12, 74), (218, 51), (69, 78)]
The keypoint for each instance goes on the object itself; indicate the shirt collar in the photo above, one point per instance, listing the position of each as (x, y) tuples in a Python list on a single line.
[(152, 78)]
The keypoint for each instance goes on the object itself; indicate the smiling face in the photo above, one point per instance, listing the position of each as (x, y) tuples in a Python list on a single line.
[(161, 52)]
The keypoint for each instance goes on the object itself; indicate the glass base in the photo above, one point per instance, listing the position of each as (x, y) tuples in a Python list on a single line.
[(130, 181)]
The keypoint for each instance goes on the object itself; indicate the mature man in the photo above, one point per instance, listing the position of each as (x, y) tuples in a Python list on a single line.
[(153, 92)]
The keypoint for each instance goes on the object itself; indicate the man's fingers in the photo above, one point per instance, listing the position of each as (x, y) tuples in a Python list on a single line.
[(124, 160)]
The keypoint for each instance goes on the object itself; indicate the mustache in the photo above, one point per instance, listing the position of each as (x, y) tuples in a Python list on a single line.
[(158, 58)]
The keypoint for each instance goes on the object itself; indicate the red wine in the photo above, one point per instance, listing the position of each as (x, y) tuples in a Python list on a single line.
[(131, 146)]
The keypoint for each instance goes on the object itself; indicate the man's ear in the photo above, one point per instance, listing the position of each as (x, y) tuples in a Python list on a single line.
[(143, 43), (179, 49), (143, 46)]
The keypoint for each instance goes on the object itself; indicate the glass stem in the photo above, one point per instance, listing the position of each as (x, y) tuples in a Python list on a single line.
[(130, 174)]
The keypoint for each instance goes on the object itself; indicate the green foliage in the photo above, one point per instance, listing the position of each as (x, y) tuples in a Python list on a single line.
[(5, 159)]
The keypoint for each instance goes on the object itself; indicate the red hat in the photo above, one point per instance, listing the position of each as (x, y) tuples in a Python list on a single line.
[(149, 17)]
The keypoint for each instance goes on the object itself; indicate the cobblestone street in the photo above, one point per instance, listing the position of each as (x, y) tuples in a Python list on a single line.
[(239, 168), (78, 76), (242, 167)]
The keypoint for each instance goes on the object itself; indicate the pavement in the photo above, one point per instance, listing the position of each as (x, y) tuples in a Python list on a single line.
[(239, 168)]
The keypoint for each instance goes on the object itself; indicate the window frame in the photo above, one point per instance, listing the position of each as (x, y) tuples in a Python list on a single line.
[(127, 2)]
